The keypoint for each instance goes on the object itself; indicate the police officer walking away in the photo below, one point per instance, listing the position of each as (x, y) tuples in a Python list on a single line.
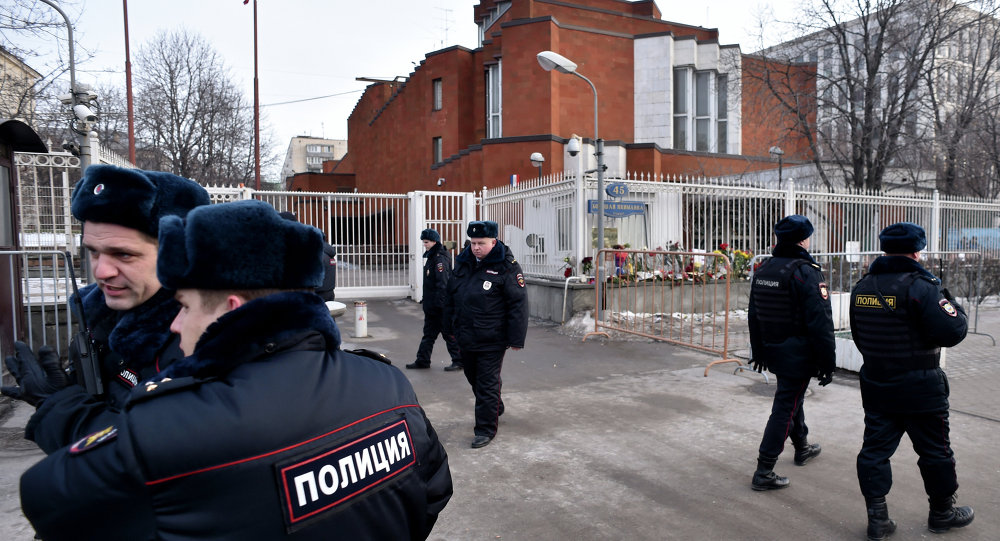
[(901, 317), (266, 430), (487, 311), (127, 313), (791, 335), (437, 271)]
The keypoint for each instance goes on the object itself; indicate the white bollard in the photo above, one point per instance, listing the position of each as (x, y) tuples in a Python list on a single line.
[(360, 319)]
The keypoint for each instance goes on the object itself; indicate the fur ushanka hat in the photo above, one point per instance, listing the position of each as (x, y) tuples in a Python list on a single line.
[(238, 246), (134, 198)]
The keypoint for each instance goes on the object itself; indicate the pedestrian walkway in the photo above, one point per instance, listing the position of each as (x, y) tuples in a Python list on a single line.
[(627, 440)]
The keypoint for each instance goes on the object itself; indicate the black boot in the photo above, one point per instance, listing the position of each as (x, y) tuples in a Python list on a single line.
[(765, 478), (804, 452), (880, 526), (945, 516)]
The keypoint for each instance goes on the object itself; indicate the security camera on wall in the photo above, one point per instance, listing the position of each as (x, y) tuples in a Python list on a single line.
[(573, 146), (84, 113), (441, 181)]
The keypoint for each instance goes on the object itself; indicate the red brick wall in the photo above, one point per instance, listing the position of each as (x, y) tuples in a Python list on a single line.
[(766, 121)]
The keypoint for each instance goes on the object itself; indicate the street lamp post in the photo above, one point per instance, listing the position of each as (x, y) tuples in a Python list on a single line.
[(776, 152), (549, 61), (537, 160), (74, 99)]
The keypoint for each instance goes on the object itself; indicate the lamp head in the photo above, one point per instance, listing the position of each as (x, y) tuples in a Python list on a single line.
[(549, 60), (537, 159)]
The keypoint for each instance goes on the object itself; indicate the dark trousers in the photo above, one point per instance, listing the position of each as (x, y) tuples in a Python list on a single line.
[(482, 369), (928, 433), (788, 418), (432, 328)]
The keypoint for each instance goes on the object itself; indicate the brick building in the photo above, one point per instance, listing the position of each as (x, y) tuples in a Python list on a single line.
[(672, 99)]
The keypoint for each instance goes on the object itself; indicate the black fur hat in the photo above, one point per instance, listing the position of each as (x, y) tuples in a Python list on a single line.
[(902, 238), (134, 198), (793, 229), (483, 230), (239, 245), (431, 235)]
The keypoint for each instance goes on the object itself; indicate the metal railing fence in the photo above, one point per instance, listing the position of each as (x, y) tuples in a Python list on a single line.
[(962, 272), (681, 298), (34, 306)]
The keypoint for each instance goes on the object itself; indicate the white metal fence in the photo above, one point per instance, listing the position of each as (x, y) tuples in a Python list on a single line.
[(551, 220), (550, 223)]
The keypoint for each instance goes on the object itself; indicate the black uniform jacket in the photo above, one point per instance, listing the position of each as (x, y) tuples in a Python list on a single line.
[(900, 320), (487, 305), (790, 317), (437, 271), (268, 431), (133, 346)]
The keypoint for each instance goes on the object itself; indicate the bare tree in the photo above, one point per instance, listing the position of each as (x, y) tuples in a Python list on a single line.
[(873, 59), (963, 98), (189, 113)]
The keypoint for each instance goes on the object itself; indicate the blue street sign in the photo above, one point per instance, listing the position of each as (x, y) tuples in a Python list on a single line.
[(617, 209)]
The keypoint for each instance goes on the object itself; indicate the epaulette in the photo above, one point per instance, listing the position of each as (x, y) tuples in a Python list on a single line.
[(152, 389), (370, 354), (932, 279)]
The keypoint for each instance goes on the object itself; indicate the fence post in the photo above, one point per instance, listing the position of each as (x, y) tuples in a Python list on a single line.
[(483, 209), (580, 222), (936, 222), (418, 218), (790, 198), (67, 215)]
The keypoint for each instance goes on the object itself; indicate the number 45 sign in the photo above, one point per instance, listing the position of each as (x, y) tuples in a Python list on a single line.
[(616, 189)]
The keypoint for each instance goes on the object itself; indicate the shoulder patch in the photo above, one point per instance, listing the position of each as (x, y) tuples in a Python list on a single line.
[(332, 476), (370, 354), (823, 291), (94, 440), (520, 279), (948, 308), (440, 267)]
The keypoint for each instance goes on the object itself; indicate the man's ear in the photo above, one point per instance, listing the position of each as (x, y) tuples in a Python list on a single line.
[(233, 302)]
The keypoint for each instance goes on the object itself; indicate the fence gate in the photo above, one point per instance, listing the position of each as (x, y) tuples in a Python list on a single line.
[(377, 236)]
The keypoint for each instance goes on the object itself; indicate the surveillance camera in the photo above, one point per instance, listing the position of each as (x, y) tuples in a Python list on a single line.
[(441, 181), (84, 113), (71, 147), (573, 147)]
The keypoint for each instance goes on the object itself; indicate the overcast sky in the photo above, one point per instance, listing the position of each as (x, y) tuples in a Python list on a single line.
[(314, 48)]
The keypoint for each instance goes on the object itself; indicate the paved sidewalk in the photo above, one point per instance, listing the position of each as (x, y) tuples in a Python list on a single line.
[(627, 440)]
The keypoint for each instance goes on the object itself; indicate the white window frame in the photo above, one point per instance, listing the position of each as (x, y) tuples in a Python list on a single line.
[(494, 103)]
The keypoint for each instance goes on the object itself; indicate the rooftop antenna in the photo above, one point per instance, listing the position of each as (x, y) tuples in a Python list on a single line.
[(447, 22)]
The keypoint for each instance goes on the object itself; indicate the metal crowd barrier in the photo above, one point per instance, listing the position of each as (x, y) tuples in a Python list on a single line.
[(962, 272), (34, 304), (676, 297)]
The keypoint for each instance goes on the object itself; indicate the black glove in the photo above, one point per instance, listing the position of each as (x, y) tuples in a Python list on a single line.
[(758, 364), (825, 378), (36, 378)]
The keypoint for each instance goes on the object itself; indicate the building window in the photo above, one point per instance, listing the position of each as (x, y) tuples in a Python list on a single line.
[(438, 151), (437, 94), (493, 105), (722, 112), (681, 108), (702, 111), (700, 114)]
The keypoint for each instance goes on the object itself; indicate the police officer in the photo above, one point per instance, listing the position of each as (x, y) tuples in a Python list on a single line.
[(126, 311), (266, 430), (791, 335), (901, 317), (487, 311), (437, 270)]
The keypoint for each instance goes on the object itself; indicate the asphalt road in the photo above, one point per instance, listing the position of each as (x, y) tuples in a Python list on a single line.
[(626, 439)]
